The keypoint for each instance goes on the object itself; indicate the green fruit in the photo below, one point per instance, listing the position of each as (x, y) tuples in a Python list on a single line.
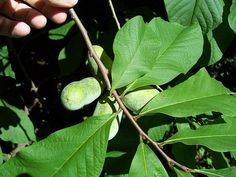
[(108, 105), (80, 93), (106, 60), (136, 99)]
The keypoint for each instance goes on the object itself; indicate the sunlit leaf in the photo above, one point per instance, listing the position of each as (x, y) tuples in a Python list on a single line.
[(225, 172), (146, 163), (157, 133), (232, 16), (197, 95), (154, 52), (77, 151), (208, 13), (219, 137), (15, 125), (182, 125)]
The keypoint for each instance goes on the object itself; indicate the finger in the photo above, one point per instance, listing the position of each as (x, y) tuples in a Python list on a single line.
[(22, 12), (55, 14), (62, 3), (13, 28)]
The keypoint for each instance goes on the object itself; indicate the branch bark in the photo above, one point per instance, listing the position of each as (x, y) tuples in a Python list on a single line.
[(114, 13)]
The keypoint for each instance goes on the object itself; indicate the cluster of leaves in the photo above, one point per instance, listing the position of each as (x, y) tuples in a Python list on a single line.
[(193, 117)]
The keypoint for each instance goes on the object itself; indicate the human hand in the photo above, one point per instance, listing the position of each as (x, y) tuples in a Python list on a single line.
[(19, 16)]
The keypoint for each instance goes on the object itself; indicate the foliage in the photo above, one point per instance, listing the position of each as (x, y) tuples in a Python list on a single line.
[(146, 163), (164, 65), (63, 155)]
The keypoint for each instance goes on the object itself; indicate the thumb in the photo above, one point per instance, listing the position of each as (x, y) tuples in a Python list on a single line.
[(61, 3)]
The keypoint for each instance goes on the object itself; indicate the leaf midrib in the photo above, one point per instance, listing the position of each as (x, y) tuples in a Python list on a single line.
[(157, 59), (194, 10), (181, 102), (145, 160)]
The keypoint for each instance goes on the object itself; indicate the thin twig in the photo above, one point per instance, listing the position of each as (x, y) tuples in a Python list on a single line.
[(103, 70), (114, 14)]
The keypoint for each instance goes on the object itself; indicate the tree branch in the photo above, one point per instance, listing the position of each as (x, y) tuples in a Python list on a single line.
[(104, 73), (114, 13)]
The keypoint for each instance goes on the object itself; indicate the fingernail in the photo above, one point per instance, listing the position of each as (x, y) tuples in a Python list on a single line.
[(21, 29)]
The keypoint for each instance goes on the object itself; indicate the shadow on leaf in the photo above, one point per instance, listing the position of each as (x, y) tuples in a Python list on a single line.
[(8, 118)]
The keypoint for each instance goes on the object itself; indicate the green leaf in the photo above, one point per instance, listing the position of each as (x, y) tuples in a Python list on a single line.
[(146, 163), (61, 31), (154, 53), (15, 125), (219, 137), (197, 95), (77, 151), (216, 53), (157, 133), (182, 173), (208, 13), (5, 66), (232, 16), (182, 124), (224, 172)]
